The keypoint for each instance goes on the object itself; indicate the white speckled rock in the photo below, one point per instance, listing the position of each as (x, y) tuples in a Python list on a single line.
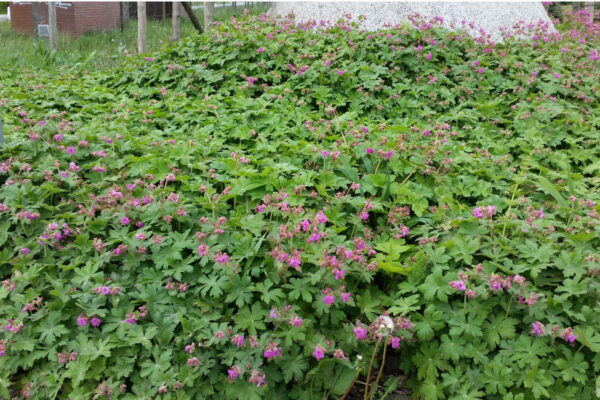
[(489, 16)]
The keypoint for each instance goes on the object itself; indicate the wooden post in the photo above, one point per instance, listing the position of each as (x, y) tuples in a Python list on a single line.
[(142, 27), (35, 17), (176, 31), (52, 27), (209, 10), (190, 13)]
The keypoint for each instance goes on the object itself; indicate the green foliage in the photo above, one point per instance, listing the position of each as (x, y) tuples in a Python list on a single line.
[(214, 190)]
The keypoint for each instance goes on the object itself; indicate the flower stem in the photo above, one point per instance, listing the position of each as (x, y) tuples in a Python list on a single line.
[(365, 397), (385, 344)]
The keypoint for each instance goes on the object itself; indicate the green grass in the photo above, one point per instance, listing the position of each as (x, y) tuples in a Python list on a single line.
[(95, 50)]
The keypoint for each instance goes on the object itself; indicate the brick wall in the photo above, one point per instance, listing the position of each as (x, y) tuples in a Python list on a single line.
[(75, 20), (97, 16)]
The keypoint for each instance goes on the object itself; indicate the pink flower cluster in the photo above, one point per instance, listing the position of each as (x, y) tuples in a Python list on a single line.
[(63, 358), (398, 329), (106, 291), (95, 321), (539, 329), (272, 351), (285, 314), (484, 212)]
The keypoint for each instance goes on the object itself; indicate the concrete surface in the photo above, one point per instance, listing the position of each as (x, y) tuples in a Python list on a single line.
[(489, 16)]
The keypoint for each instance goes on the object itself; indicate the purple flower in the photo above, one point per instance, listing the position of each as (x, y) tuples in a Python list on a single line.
[(96, 322), (71, 150), (82, 320), (260, 50), (360, 333), (319, 352), (125, 221), (537, 328), (428, 56), (477, 212), (296, 321), (568, 335), (370, 150), (58, 137), (395, 343), (251, 80), (25, 251)]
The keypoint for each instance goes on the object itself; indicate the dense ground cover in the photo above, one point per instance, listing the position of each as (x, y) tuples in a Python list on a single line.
[(258, 212)]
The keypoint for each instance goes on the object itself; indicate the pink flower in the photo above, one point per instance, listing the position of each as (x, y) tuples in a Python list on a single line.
[(96, 322), (364, 216), (234, 372), (594, 55), (260, 208), (321, 217), (125, 221), (395, 342), (221, 258), (428, 56), (25, 251), (481, 70), (238, 340), (260, 50), (319, 352), (458, 285), (193, 362), (257, 378), (272, 351), (296, 321), (305, 225), (328, 299), (370, 150), (346, 297), (203, 250), (294, 262), (360, 333), (82, 320), (58, 137), (251, 80), (315, 237)]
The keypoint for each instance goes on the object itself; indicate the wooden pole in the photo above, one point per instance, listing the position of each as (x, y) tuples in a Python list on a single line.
[(176, 30), (142, 27), (190, 13), (209, 10), (52, 26), (35, 17)]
